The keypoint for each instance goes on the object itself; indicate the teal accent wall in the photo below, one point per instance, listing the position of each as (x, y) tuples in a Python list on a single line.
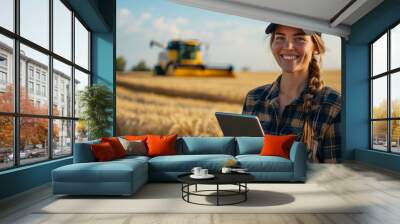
[(356, 98), (356, 85), (379, 159), (100, 17), (24, 178), (103, 64), (103, 54)]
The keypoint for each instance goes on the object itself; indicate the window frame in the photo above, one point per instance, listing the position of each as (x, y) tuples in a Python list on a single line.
[(388, 74), (16, 114)]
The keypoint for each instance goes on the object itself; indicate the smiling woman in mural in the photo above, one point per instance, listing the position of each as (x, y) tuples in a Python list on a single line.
[(297, 102)]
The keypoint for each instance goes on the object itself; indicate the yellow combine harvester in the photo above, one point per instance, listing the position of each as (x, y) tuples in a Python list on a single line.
[(184, 58)]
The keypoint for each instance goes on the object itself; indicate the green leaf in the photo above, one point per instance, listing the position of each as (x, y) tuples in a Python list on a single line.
[(96, 102)]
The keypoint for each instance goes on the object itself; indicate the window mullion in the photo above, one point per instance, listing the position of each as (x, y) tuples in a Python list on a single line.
[(16, 83), (389, 106), (371, 89), (50, 81), (73, 82), (89, 55)]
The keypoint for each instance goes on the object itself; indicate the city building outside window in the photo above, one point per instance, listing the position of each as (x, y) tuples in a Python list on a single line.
[(44, 77), (30, 87), (3, 78), (55, 96), (38, 89), (37, 74), (30, 72), (3, 61), (3, 71)]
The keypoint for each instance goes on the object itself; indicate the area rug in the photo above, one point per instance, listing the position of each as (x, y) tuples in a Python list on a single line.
[(167, 198)]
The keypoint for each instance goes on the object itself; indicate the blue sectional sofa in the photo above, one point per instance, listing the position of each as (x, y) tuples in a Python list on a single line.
[(125, 176)]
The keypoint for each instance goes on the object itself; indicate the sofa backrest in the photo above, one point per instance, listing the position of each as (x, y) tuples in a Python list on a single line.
[(249, 145), (206, 145), (190, 146), (83, 152)]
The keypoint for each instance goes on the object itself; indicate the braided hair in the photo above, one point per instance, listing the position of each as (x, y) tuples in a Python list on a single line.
[(315, 85)]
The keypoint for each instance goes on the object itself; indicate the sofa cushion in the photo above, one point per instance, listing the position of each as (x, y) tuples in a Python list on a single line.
[(185, 163), (111, 171), (249, 145), (206, 145), (83, 152), (132, 158), (257, 163)]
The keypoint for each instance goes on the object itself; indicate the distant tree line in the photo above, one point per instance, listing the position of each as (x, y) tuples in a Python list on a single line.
[(139, 67), (380, 127)]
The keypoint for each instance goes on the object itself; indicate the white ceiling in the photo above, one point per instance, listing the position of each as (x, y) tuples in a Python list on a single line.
[(327, 16)]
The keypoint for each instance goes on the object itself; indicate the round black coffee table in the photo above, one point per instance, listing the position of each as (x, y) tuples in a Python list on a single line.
[(238, 179)]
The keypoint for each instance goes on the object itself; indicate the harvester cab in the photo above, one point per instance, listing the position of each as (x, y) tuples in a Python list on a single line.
[(185, 58)]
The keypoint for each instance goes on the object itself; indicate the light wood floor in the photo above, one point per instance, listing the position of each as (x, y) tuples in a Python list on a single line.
[(378, 188)]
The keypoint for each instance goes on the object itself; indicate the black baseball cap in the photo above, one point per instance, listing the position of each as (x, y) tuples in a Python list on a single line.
[(272, 27)]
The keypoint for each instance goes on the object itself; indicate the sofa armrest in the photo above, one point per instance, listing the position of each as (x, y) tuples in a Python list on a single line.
[(298, 155), (83, 152)]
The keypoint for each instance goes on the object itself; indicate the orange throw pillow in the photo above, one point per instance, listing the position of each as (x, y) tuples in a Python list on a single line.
[(161, 145), (135, 137), (103, 152), (116, 145), (275, 145)]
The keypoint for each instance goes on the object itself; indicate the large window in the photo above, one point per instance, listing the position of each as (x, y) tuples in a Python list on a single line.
[(385, 91), (44, 64)]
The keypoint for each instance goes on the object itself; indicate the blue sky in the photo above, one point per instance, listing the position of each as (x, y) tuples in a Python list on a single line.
[(232, 39)]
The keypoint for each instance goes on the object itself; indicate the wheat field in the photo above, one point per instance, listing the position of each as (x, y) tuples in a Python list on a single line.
[(148, 104)]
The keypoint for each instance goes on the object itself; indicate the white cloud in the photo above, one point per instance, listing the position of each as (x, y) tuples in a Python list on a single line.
[(128, 22), (172, 28), (181, 21), (124, 12), (332, 57), (240, 45), (144, 16)]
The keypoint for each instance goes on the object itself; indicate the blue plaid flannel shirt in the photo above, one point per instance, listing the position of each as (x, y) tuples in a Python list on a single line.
[(263, 102)]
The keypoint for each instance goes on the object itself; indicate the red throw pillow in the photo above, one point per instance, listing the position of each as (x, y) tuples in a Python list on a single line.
[(161, 145), (116, 145), (275, 145), (103, 151)]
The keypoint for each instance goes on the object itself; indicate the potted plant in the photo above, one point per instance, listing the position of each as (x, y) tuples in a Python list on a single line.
[(96, 102)]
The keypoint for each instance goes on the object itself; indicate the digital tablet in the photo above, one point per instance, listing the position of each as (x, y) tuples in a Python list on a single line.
[(239, 124)]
